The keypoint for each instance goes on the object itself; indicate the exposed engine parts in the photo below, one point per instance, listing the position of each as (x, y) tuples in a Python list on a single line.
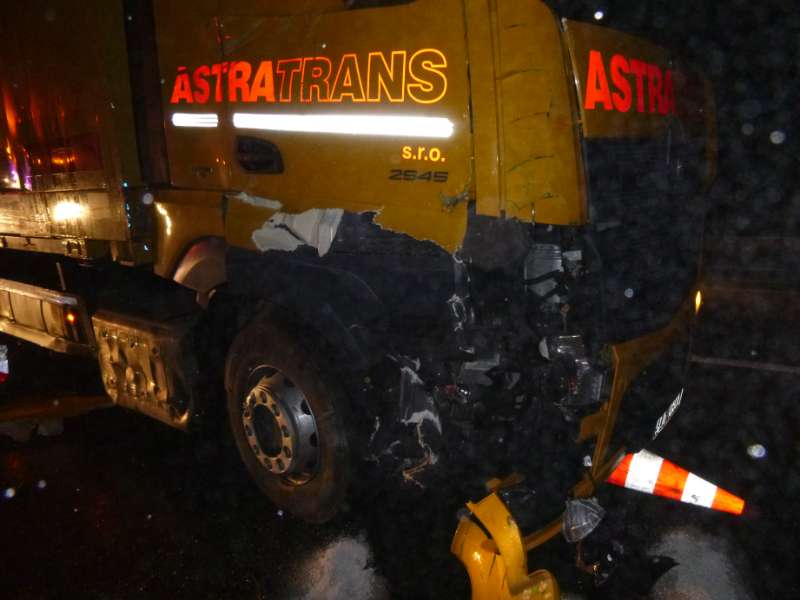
[(508, 390), (580, 382)]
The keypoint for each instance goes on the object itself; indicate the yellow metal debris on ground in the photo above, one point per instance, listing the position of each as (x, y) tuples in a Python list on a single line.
[(498, 566)]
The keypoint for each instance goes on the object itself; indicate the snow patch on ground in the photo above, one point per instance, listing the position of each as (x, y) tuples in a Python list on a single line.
[(705, 571), (342, 570)]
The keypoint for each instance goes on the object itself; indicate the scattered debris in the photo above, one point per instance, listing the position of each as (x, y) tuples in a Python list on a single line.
[(375, 430), (581, 517), (421, 416)]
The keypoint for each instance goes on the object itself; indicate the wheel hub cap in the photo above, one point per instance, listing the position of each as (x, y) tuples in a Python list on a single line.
[(280, 427)]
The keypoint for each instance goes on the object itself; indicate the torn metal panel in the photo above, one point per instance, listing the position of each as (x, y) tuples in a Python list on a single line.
[(406, 441), (287, 232), (428, 415), (475, 372), (444, 227)]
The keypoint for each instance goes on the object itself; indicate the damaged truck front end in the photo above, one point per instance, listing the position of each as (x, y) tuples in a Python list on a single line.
[(528, 325), (609, 304), (448, 244)]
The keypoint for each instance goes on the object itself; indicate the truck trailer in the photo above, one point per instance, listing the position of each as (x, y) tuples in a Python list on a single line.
[(428, 239)]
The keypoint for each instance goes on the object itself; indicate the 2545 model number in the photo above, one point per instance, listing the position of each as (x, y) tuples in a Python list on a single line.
[(413, 175)]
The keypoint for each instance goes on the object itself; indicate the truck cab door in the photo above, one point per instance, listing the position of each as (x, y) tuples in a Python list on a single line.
[(190, 60), (332, 108)]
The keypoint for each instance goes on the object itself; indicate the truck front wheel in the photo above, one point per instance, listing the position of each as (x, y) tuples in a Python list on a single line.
[(288, 416)]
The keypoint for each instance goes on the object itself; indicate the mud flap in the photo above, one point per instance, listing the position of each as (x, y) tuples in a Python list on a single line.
[(490, 547)]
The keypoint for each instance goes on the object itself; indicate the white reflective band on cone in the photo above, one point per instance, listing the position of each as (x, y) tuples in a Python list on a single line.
[(698, 491), (646, 472), (195, 119), (368, 125), (643, 472)]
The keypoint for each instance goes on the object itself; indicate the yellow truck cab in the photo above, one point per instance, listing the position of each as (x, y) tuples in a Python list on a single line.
[(389, 236)]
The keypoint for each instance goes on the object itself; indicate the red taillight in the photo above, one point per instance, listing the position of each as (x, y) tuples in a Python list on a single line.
[(3, 363)]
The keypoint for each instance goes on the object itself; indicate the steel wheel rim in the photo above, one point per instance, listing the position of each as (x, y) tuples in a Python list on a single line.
[(280, 427)]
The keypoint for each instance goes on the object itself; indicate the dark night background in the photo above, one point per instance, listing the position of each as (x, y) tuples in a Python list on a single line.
[(134, 534), (751, 53)]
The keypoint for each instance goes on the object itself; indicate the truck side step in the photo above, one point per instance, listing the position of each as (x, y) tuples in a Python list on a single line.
[(54, 320), (148, 365)]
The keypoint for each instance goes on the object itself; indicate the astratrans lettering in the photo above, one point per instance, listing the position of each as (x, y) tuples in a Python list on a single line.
[(398, 76), (651, 91)]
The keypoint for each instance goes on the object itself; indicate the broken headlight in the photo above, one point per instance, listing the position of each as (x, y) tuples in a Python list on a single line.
[(579, 382)]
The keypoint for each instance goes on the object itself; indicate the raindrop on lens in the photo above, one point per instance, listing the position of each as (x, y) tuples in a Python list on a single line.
[(748, 129), (777, 137), (41, 484), (9, 493), (757, 451)]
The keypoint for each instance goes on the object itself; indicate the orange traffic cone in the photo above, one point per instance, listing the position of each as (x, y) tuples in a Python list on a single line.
[(651, 474)]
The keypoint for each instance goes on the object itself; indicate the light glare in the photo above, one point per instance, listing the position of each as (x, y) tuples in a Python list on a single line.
[(366, 125), (195, 120), (67, 210), (167, 219), (777, 137)]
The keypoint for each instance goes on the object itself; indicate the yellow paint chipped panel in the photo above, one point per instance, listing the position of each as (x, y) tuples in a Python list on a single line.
[(241, 219), (372, 69), (183, 217), (445, 227)]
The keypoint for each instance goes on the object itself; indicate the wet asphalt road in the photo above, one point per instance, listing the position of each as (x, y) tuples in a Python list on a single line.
[(119, 506)]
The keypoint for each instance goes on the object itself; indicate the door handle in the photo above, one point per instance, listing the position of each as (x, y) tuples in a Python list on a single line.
[(258, 156)]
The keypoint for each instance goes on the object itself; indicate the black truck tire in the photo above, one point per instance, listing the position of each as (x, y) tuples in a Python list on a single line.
[(281, 391)]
